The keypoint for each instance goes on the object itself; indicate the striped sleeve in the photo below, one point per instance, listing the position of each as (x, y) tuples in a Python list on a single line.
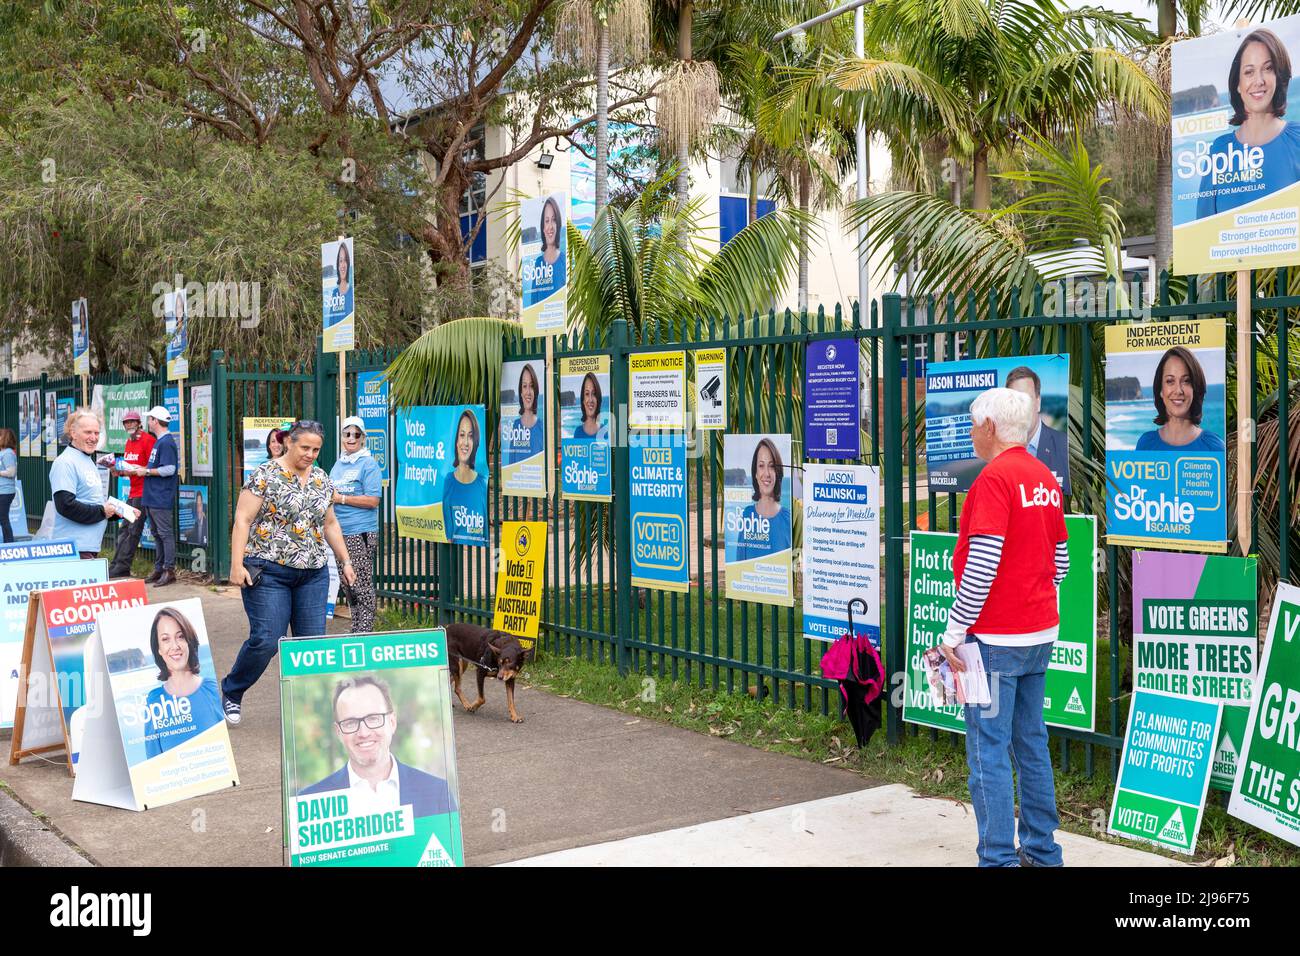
[(977, 577), (1062, 562)]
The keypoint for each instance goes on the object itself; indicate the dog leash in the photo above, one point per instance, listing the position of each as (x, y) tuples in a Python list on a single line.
[(479, 664)]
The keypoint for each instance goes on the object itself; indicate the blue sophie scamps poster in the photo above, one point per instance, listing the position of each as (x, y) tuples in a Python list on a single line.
[(442, 474)]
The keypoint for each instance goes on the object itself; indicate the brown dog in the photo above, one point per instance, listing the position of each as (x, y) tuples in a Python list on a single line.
[(487, 651)]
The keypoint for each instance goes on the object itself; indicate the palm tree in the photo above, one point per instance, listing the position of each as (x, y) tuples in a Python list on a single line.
[(689, 95)]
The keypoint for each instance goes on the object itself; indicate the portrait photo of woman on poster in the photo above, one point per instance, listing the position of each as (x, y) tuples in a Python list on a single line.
[(464, 496), (185, 703), (766, 474), (1178, 392)]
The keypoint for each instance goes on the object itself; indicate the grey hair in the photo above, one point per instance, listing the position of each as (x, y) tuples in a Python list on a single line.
[(78, 413), (1011, 411)]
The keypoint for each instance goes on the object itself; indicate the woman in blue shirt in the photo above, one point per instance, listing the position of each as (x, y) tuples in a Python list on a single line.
[(358, 487), (526, 437), (765, 525), (464, 495), (590, 428), (547, 272), (1262, 155), (186, 703), (81, 511), (8, 479), (1179, 394), (340, 302)]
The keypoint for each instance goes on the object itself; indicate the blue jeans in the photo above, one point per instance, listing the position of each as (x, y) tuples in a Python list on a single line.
[(1012, 726), (283, 599)]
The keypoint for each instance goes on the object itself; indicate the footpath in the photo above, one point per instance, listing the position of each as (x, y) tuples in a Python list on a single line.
[(575, 784)]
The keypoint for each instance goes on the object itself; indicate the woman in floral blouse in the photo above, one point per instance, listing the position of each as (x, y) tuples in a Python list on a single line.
[(283, 523)]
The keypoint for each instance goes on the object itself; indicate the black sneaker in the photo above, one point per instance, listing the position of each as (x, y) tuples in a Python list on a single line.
[(231, 709)]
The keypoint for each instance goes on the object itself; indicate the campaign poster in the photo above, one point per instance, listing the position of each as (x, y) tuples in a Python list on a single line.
[(338, 313), (657, 390), (192, 514), (176, 313), (442, 474), (830, 399), (34, 430), (256, 433), (201, 431), (759, 501), (1194, 627), (1166, 461), (584, 428), (1266, 790), (657, 500), (19, 580), (80, 337), (159, 736), (1164, 770), (36, 550), (543, 247), (521, 580), (523, 428), (950, 387), (368, 752), (710, 389), (1070, 688), (1235, 150), (120, 399), (841, 550), (51, 426), (66, 407), (123, 493), (24, 439), (18, 513), (372, 407)]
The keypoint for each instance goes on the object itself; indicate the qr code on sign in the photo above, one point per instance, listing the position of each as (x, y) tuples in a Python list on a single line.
[(832, 436)]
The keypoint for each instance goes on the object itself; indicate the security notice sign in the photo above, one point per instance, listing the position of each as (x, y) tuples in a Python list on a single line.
[(520, 580), (657, 387), (1164, 771), (1194, 626), (1070, 693), (1266, 791)]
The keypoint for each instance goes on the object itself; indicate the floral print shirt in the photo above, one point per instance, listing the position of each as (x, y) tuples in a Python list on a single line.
[(290, 526)]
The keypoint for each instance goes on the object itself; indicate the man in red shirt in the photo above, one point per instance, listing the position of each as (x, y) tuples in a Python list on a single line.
[(139, 443), (1011, 557)]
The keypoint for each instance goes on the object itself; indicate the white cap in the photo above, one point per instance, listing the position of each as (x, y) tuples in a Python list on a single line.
[(353, 421), (160, 413)]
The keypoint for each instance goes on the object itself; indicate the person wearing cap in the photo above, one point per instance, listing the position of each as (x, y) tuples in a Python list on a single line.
[(358, 485), (160, 486), (139, 444)]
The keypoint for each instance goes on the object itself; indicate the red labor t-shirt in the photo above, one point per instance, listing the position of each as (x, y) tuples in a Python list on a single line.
[(1017, 497), (137, 453)]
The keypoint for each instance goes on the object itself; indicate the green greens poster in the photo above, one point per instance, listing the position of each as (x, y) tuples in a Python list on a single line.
[(1266, 791), (1070, 695), (369, 759), (1194, 627)]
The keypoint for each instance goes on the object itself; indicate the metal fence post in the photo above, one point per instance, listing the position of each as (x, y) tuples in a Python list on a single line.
[(621, 487), (325, 399), (895, 593), (219, 485)]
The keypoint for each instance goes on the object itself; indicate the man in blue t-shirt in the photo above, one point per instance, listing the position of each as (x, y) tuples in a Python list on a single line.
[(160, 485)]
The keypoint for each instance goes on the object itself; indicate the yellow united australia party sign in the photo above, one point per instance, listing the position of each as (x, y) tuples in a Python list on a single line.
[(520, 580)]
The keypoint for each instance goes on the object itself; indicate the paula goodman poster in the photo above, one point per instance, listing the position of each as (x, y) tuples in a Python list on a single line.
[(543, 247), (338, 296), (1070, 689), (1236, 150), (1194, 627), (831, 394), (841, 550), (372, 407), (584, 428), (1166, 461), (1164, 771), (358, 713), (759, 500), (442, 474), (158, 736), (657, 500), (1266, 791), (950, 387), (523, 428)]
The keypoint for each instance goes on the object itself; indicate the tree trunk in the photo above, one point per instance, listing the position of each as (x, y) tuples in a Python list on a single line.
[(1167, 24), (602, 115), (751, 210), (805, 184), (685, 20), (983, 185)]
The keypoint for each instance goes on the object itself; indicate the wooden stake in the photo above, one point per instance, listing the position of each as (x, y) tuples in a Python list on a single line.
[(1245, 422), (180, 425), (343, 355)]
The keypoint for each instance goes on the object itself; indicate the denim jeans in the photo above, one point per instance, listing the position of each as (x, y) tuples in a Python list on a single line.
[(1012, 726), (284, 599), (6, 502)]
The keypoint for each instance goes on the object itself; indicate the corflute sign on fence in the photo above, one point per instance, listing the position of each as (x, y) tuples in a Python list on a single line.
[(1194, 626), (657, 501), (521, 580), (442, 474), (831, 397), (523, 428), (841, 548), (372, 406), (710, 389), (1166, 461), (759, 498), (1266, 791), (584, 428), (657, 389), (544, 282)]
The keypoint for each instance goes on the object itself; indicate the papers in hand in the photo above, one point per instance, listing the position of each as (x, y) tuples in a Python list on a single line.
[(947, 688), (126, 511)]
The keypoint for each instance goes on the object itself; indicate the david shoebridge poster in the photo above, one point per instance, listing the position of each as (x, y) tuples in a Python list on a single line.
[(369, 756), (1236, 150), (442, 474), (1166, 461)]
